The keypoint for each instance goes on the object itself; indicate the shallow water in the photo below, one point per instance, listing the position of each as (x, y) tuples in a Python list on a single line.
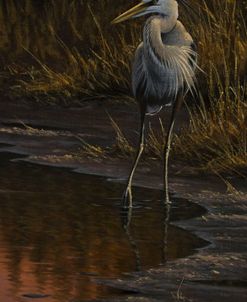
[(59, 230)]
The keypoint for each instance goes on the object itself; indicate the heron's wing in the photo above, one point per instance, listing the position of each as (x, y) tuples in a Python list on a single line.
[(142, 84), (138, 72)]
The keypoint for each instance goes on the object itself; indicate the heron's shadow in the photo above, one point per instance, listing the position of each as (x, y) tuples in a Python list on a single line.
[(126, 215)]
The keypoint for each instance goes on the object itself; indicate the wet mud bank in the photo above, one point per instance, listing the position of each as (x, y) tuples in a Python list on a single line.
[(215, 273)]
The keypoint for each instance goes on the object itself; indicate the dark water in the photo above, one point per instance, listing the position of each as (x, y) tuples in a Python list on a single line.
[(59, 229)]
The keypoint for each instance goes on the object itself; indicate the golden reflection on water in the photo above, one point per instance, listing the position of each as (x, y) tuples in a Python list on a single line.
[(58, 230)]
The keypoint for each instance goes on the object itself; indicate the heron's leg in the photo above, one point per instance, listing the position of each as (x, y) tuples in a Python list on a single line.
[(128, 194), (175, 109)]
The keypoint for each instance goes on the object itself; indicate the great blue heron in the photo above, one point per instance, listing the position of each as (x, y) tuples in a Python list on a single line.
[(163, 70)]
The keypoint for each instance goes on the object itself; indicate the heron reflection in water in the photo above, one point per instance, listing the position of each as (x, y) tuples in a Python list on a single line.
[(163, 70)]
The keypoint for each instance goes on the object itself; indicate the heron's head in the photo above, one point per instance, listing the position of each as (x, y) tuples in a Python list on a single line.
[(162, 7)]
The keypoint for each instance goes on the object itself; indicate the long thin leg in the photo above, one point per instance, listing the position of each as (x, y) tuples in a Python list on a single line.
[(175, 109), (128, 194)]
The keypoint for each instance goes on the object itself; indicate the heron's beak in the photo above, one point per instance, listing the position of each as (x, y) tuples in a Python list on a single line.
[(131, 12)]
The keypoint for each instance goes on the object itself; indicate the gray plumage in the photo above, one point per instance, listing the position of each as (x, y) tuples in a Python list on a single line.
[(160, 71)]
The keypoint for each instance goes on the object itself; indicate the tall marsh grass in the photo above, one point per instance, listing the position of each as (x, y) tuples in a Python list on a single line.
[(217, 137), (65, 50), (72, 52)]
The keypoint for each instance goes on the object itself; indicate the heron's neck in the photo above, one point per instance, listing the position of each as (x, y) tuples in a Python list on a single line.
[(170, 14), (155, 26)]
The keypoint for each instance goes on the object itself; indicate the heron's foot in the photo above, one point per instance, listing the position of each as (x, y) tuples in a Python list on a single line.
[(126, 214), (127, 198), (166, 199)]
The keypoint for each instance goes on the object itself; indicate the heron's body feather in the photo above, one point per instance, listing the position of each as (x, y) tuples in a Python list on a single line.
[(164, 64)]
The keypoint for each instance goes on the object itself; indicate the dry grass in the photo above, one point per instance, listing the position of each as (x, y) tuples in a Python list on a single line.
[(95, 70), (216, 138), (102, 76), (90, 151)]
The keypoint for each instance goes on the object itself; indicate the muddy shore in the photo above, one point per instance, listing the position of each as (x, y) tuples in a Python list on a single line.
[(49, 135)]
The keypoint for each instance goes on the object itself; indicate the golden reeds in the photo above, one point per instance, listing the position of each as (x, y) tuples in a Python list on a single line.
[(45, 63)]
